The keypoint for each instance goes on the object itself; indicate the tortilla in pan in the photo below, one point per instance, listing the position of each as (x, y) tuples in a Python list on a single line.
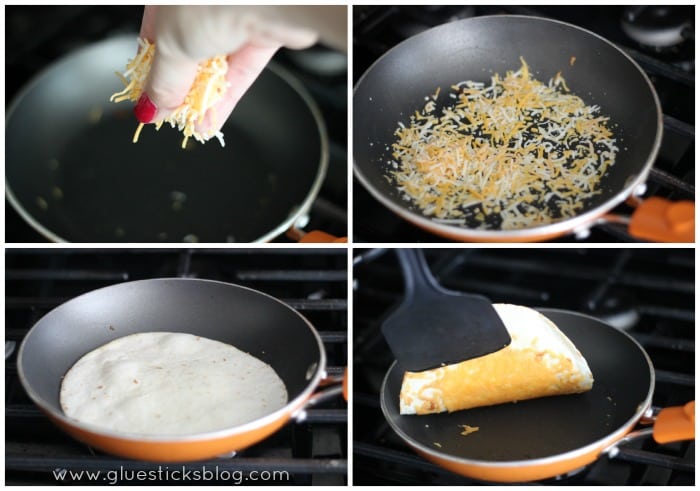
[(169, 384), (540, 361)]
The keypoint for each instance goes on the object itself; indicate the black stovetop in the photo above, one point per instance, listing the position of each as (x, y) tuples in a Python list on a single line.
[(313, 281), (672, 71), (648, 292)]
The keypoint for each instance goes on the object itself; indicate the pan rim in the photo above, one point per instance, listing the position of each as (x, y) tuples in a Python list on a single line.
[(598, 447), (276, 416), (286, 76), (578, 223), (324, 157)]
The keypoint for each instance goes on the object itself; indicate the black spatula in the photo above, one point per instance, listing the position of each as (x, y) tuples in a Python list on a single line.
[(434, 326)]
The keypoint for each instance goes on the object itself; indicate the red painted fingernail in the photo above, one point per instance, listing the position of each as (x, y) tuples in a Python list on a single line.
[(144, 109)]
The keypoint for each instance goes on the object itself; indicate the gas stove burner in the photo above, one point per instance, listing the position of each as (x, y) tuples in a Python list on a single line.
[(623, 320), (659, 26), (615, 307)]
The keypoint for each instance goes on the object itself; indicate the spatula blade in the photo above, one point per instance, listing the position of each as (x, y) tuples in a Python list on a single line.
[(444, 329)]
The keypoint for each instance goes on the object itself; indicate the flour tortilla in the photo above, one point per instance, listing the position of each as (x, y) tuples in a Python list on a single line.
[(540, 361), (170, 384)]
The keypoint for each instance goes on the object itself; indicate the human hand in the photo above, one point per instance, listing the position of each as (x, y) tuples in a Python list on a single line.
[(187, 35)]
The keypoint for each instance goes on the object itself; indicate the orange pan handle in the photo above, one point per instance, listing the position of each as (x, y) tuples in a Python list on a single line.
[(676, 423), (315, 236), (345, 385), (661, 220)]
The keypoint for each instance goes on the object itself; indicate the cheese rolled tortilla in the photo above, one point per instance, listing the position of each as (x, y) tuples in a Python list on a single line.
[(540, 361)]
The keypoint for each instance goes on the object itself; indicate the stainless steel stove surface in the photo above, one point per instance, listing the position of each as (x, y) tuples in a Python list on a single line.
[(39, 35), (648, 292), (670, 67), (312, 281)]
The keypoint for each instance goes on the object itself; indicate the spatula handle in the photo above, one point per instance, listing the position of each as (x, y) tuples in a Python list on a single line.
[(418, 279)]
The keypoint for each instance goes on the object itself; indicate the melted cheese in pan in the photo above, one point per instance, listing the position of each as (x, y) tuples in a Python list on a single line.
[(169, 384), (540, 361)]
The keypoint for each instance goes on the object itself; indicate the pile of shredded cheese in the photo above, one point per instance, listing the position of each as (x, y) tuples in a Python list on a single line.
[(515, 154), (208, 88)]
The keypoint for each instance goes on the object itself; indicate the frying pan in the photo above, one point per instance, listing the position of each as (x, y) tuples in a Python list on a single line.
[(396, 85), (551, 436), (74, 175), (250, 320)]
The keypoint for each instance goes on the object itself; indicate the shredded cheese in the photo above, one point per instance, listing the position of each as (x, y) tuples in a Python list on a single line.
[(468, 430), (514, 154), (208, 88)]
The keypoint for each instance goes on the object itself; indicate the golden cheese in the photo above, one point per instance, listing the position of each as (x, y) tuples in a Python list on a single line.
[(468, 430), (514, 154), (540, 361), (207, 90)]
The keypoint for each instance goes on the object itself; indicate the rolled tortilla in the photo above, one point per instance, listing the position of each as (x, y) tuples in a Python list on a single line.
[(540, 361)]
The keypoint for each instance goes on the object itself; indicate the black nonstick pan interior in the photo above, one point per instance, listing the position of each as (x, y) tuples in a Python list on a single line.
[(545, 427), (73, 172), (245, 318), (474, 49)]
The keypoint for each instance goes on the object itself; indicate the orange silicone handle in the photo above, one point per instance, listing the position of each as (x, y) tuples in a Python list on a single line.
[(316, 236), (676, 423), (662, 220), (345, 385)]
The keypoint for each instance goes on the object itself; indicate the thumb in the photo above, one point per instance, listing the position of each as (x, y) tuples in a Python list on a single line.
[(244, 67), (168, 83)]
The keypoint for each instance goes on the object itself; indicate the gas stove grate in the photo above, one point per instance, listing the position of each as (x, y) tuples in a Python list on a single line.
[(312, 281), (649, 293)]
